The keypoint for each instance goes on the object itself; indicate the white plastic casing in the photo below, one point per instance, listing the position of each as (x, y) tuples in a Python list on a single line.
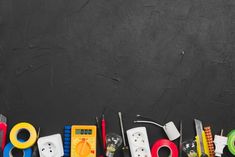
[(50, 146), (171, 131), (138, 142), (220, 143)]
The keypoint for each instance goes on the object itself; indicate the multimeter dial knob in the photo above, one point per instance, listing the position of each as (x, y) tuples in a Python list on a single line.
[(83, 148)]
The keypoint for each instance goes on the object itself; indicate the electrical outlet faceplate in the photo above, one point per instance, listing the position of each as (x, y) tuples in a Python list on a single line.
[(138, 142), (50, 146)]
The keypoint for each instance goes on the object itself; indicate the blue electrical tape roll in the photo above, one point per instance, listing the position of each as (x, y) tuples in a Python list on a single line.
[(8, 151)]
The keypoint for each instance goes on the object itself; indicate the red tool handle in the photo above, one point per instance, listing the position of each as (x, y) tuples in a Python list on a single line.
[(103, 125), (3, 134)]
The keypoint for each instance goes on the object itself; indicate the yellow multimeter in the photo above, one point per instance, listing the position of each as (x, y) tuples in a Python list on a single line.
[(83, 141)]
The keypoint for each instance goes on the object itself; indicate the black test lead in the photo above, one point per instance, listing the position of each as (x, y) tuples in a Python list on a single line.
[(125, 149)]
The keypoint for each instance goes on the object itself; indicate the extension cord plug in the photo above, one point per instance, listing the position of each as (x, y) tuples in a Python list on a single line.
[(220, 143)]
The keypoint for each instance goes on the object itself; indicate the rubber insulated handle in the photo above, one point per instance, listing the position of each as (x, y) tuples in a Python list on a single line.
[(1, 153), (3, 134), (126, 152)]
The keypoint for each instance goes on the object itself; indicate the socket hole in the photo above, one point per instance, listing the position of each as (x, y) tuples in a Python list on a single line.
[(17, 152), (164, 151), (49, 144), (51, 151), (23, 134), (43, 149)]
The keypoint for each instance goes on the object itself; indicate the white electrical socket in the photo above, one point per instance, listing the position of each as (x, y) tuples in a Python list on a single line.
[(50, 146), (138, 142)]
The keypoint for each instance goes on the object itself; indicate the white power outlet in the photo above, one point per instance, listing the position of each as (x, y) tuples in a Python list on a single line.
[(138, 142), (50, 146)]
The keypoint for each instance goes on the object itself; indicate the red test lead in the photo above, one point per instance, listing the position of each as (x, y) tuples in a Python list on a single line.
[(103, 125), (3, 131)]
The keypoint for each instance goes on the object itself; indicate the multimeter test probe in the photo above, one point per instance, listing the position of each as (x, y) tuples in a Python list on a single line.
[(99, 133)]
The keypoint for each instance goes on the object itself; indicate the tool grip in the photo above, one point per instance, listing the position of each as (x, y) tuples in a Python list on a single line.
[(35, 151), (126, 151), (3, 134), (204, 155), (206, 149), (1, 153), (103, 125)]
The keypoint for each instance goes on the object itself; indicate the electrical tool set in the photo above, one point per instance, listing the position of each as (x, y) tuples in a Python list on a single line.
[(81, 140)]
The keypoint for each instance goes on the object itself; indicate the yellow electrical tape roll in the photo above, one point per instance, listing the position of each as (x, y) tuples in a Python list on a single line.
[(15, 131)]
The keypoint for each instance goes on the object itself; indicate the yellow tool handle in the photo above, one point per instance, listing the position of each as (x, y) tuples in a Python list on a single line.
[(206, 148)]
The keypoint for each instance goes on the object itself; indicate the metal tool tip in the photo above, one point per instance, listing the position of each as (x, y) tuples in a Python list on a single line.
[(222, 132)]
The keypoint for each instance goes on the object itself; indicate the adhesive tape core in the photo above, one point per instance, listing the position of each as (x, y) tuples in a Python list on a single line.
[(231, 142), (164, 146), (164, 143), (17, 129), (9, 148)]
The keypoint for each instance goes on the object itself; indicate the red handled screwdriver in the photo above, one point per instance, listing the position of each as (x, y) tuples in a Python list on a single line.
[(3, 133)]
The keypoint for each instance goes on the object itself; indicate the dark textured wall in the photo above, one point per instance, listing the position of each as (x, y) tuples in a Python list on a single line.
[(67, 61)]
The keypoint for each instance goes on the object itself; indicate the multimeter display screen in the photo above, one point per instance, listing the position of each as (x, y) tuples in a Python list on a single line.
[(83, 131)]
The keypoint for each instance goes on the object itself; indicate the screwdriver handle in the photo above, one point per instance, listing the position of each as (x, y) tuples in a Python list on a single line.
[(3, 134), (1, 153), (35, 151), (126, 151)]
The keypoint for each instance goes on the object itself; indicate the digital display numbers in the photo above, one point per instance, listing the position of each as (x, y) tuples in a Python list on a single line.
[(83, 132)]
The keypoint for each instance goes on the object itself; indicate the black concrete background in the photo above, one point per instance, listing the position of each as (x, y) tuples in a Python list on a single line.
[(67, 61)]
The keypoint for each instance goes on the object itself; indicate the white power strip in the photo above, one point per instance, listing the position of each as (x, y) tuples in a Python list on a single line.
[(138, 142)]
